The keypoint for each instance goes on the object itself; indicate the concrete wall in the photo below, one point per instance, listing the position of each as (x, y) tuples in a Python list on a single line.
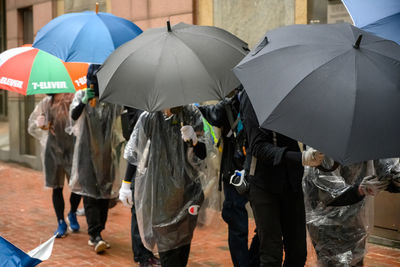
[(250, 20), (153, 13)]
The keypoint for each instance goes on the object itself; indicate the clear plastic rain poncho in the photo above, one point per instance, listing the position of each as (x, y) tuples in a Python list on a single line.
[(96, 154), (57, 145), (389, 169), (169, 178), (338, 234)]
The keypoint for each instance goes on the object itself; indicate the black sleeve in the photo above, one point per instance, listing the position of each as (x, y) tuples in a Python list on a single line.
[(200, 150), (77, 111), (293, 156), (215, 114), (349, 197), (130, 173)]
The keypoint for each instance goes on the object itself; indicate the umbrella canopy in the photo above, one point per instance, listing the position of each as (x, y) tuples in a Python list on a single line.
[(379, 17), (167, 67), (329, 88), (28, 71), (85, 37)]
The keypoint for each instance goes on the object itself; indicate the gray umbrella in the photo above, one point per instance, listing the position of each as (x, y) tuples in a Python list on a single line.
[(326, 86), (167, 67)]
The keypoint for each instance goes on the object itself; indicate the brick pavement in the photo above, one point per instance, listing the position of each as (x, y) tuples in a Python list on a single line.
[(27, 218)]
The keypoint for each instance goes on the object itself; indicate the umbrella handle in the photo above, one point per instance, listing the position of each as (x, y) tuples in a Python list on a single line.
[(331, 169)]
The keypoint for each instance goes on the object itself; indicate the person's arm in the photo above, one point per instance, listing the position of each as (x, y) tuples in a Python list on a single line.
[(80, 100), (130, 173), (351, 196), (77, 111), (200, 150), (215, 114)]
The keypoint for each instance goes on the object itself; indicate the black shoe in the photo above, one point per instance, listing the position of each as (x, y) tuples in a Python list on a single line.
[(155, 261), (98, 244)]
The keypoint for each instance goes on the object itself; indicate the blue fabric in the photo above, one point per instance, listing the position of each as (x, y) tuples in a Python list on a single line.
[(379, 17), (11, 256), (85, 36)]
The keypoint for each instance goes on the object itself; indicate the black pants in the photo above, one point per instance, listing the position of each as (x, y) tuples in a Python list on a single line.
[(176, 257), (59, 205), (280, 221), (140, 253), (96, 211), (235, 215)]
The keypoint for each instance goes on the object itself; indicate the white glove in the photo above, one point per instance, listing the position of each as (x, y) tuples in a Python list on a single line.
[(188, 134), (41, 121), (312, 158), (125, 194), (371, 185)]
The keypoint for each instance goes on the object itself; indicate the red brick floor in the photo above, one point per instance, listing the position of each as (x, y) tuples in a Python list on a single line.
[(27, 219)]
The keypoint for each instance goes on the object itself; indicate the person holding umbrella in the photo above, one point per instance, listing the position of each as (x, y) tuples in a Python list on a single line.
[(225, 115), (168, 193), (95, 161), (47, 123), (275, 166)]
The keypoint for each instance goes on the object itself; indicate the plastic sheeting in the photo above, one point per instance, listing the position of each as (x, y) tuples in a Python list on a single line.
[(338, 234), (57, 145), (97, 149), (171, 183)]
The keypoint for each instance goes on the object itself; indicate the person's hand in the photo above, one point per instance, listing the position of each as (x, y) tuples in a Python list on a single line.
[(371, 185), (89, 94), (188, 134), (41, 121), (312, 158), (125, 194)]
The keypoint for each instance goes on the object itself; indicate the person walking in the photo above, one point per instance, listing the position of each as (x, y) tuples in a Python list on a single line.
[(168, 151), (142, 255), (275, 172), (225, 115), (95, 162), (47, 123)]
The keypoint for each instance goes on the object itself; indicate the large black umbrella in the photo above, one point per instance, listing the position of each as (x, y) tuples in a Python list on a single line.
[(172, 66), (334, 87)]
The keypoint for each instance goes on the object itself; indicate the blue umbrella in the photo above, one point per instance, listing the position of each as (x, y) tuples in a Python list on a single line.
[(85, 36), (381, 17)]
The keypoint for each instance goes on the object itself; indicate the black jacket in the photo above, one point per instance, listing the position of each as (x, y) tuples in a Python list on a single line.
[(277, 170), (232, 153)]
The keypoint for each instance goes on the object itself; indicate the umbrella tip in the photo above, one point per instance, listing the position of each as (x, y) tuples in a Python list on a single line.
[(169, 26), (357, 44)]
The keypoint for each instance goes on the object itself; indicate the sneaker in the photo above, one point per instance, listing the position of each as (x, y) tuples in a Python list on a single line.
[(62, 229), (98, 244), (73, 222), (80, 212)]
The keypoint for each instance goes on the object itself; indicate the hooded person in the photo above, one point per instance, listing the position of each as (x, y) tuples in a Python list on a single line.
[(95, 161), (168, 191), (47, 123)]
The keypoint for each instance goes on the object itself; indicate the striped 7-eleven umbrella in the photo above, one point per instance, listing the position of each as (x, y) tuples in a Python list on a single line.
[(28, 71)]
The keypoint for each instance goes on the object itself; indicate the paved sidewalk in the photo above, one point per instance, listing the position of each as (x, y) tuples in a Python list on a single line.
[(27, 218)]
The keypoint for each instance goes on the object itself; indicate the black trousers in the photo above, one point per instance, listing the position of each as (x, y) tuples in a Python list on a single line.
[(176, 257), (140, 253), (96, 211), (280, 221)]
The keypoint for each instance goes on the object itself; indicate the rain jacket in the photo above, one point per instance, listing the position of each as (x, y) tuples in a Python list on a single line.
[(57, 145), (97, 148), (338, 233), (168, 182)]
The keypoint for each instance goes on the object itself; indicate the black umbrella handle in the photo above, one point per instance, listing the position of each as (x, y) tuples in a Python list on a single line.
[(331, 169)]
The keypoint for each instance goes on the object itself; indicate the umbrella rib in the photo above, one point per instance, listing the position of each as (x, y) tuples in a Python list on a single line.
[(202, 64)]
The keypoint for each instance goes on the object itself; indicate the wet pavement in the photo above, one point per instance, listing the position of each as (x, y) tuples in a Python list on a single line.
[(27, 218)]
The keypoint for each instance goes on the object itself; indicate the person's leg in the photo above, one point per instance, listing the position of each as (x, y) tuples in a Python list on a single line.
[(266, 209), (58, 203), (294, 229), (140, 253), (95, 223), (74, 200), (254, 251), (235, 215), (175, 257)]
